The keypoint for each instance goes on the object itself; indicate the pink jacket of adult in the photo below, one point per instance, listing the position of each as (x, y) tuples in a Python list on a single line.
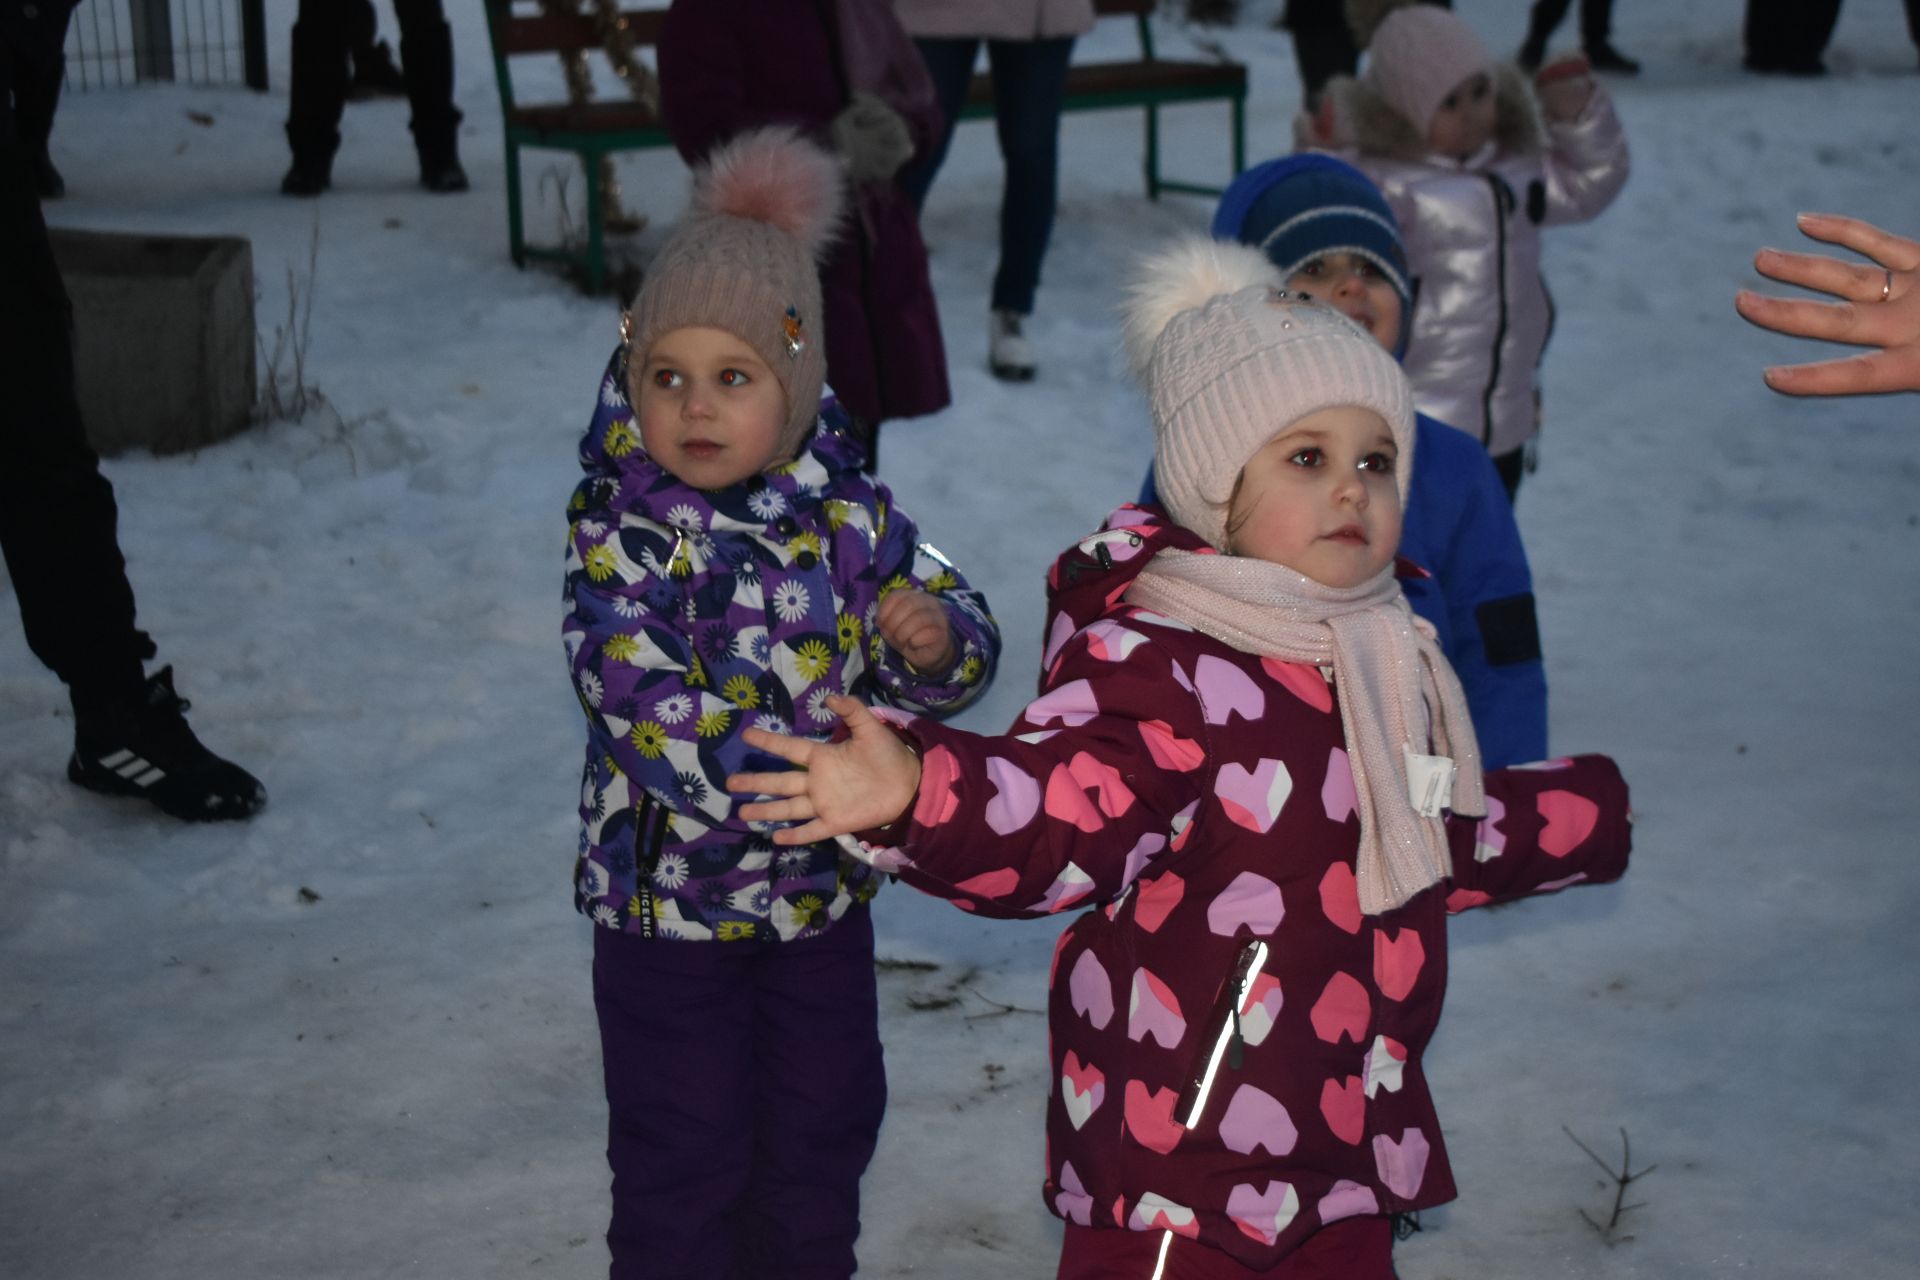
[(1482, 313), (996, 19), (731, 65), (1236, 1049)]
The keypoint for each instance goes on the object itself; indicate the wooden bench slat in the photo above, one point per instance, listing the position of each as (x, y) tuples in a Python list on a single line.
[(1107, 79), (611, 116), (561, 32)]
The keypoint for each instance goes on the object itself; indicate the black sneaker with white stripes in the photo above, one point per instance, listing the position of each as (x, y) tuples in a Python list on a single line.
[(149, 751)]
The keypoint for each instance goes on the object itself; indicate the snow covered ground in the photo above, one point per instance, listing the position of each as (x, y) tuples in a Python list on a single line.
[(354, 1037)]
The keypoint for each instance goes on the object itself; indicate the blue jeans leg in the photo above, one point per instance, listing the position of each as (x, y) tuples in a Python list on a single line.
[(1029, 83)]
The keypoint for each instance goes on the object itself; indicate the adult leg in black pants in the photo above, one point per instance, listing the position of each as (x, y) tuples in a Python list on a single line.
[(1596, 28), (1789, 36), (322, 34), (1323, 44), (36, 67), (375, 75), (57, 529)]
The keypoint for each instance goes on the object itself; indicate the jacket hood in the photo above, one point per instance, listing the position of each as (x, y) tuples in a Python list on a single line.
[(1353, 115), (1091, 576)]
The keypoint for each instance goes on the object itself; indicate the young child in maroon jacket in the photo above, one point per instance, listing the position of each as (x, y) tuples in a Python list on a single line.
[(1254, 760)]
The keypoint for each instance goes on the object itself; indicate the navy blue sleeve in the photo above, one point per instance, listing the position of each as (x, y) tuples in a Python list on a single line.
[(1460, 527)]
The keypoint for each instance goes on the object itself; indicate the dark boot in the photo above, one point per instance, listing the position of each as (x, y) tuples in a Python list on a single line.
[(309, 176), (376, 74), (1605, 57), (426, 56), (440, 170), (147, 749), (318, 94)]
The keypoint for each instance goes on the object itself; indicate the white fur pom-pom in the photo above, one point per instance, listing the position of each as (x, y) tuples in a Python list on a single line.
[(774, 175), (1183, 277)]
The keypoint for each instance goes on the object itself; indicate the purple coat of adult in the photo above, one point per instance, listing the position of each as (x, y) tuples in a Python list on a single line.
[(730, 65)]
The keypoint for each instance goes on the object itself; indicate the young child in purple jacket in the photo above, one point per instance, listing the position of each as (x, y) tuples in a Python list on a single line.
[(729, 565), (1254, 765)]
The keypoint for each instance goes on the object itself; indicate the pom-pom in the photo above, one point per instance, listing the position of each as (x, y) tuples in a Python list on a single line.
[(774, 175), (1183, 277)]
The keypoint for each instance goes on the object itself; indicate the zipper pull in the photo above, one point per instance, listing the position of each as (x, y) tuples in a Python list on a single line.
[(1234, 1041)]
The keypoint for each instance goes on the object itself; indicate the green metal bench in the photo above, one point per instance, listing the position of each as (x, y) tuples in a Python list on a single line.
[(1148, 81), (591, 130), (595, 130)]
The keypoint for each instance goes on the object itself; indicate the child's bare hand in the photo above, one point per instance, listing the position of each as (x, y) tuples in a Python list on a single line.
[(915, 624), (865, 781), (1564, 86), (1879, 307)]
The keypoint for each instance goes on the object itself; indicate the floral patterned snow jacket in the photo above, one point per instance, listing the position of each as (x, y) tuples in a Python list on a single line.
[(691, 615), (1236, 1049)]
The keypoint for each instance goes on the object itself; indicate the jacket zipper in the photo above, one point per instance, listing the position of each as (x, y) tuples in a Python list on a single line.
[(1502, 200), (1223, 1034), (649, 836)]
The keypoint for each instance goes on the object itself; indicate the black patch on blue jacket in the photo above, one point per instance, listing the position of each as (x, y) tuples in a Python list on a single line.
[(1509, 631)]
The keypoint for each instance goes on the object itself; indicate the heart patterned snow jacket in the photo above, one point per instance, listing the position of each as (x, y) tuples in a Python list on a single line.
[(1236, 1049)]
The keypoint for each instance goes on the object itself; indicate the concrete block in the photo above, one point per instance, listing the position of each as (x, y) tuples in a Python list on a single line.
[(163, 337)]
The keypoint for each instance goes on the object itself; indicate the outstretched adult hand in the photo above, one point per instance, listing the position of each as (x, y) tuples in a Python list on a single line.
[(866, 780), (1879, 307)]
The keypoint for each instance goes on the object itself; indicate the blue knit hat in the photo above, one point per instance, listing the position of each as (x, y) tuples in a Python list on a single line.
[(1299, 207)]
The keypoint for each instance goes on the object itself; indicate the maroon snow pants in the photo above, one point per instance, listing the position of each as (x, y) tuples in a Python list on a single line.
[(744, 1094), (1354, 1249)]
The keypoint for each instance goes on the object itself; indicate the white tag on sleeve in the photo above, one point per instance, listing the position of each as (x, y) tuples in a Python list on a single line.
[(1429, 783)]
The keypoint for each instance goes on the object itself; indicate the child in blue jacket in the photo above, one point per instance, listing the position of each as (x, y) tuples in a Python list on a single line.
[(1332, 234)]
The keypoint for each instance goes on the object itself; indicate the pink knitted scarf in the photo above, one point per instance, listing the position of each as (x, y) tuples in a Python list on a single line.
[(1399, 699)]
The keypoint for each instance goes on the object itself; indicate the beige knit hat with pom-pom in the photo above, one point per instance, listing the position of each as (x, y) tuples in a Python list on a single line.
[(745, 259), (1230, 358)]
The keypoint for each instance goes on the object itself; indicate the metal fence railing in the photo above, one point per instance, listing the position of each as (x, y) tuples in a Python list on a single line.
[(207, 42)]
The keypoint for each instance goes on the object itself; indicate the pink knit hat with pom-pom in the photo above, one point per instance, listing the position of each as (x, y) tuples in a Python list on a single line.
[(745, 259)]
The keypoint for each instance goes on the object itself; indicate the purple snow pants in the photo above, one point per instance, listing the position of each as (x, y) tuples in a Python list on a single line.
[(744, 1094)]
